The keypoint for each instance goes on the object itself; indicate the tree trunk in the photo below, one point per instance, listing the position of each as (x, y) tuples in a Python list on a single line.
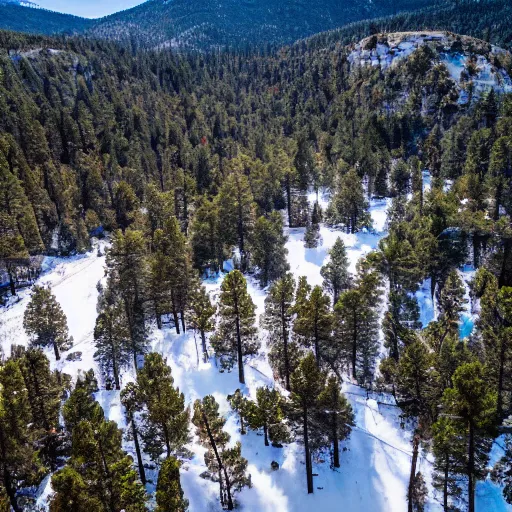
[(167, 440), (476, 250), (309, 468), (497, 200), (11, 493), (265, 433), (56, 351), (335, 442), (285, 349), (241, 376), (175, 313), (158, 321), (12, 284), (107, 482), (445, 487), (203, 346), (219, 461), (228, 489), (135, 435), (354, 346), (501, 378), (116, 374), (289, 200), (317, 345), (183, 326), (240, 227), (412, 476), (471, 467)]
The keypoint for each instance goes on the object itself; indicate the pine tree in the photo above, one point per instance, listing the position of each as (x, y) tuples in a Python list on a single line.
[(45, 390), (201, 315), (19, 465), (81, 405), (335, 272), (418, 388), (73, 493), (267, 414), (169, 494), (304, 161), (225, 465), (236, 335), (236, 209), (474, 406), (312, 236), (171, 273), (451, 302), (419, 493), (159, 284), (494, 324), (127, 272), (501, 473), (12, 249), (45, 322), (206, 236), (300, 210), (400, 179), (19, 232), (281, 161), (449, 449), (112, 340), (165, 418), (131, 404), (356, 327), (349, 207), (268, 248), (160, 206), (126, 204), (241, 405), (335, 417), (307, 382), (278, 321), (98, 461), (314, 323), (179, 273)]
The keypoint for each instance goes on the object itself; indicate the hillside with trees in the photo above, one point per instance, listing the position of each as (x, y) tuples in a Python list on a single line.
[(252, 255)]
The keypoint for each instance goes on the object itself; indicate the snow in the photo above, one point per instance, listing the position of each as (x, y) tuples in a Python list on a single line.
[(375, 460)]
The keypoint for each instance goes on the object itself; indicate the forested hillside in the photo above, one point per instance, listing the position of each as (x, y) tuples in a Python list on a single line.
[(39, 21), (206, 24), (195, 164), (188, 25)]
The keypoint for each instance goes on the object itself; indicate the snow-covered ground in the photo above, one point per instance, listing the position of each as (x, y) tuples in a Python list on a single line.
[(375, 461)]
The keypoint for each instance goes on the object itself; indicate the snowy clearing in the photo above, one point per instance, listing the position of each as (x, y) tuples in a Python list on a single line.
[(375, 460)]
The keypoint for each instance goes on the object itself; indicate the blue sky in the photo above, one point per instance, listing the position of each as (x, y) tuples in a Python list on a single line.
[(87, 8)]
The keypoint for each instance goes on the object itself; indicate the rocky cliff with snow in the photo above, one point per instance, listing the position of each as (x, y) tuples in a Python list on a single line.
[(475, 65)]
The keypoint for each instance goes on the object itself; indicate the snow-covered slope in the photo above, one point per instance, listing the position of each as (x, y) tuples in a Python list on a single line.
[(375, 461)]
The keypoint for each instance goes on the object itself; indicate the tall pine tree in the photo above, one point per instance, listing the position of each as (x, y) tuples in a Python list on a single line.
[(236, 335)]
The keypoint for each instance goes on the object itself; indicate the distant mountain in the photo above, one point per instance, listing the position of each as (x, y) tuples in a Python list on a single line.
[(203, 24), (207, 23), (16, 15)]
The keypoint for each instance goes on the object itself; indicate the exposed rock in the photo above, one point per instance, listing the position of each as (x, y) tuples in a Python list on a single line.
[(471, 63)]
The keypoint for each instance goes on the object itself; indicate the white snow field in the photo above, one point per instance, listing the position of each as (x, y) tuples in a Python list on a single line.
[(375, 460)]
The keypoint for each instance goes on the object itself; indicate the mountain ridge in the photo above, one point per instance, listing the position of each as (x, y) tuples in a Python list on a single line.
[(207, 24)]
